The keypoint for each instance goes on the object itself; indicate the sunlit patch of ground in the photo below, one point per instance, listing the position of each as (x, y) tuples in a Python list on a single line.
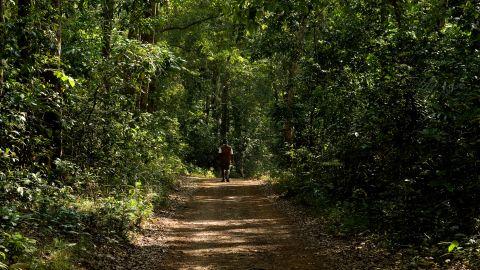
[(234, 226), (243, 225)]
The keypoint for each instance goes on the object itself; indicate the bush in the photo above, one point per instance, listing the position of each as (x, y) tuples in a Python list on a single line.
[(15, 247), (115, 217)]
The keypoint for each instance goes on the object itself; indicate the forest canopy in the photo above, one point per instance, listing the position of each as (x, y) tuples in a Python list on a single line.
[(366, 111)]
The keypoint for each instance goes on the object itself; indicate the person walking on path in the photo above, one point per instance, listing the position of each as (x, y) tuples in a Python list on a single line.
[(225, 158)]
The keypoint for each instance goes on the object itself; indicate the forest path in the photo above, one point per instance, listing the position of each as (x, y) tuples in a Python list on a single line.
[(230, 226)]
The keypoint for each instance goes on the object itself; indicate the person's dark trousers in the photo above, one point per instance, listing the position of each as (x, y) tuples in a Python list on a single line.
[(226, 175)]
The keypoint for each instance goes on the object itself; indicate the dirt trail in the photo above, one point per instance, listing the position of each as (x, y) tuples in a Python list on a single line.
[(234, 226), (241, 225)]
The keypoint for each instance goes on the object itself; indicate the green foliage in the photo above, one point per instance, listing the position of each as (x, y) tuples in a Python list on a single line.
[(381, 100), (64, 78), (199, 172), (10, 217), (17, 247), (59, 256), (382, 124), (453, 246), (84, 117), (115, 218), (103, 219), (365, 109)]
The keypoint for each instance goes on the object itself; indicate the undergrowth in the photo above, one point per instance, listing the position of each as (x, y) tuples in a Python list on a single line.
[(350, 220), (58, 231)]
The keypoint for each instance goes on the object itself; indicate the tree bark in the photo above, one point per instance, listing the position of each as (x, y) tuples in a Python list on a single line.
[(108, 9), (289, 102), (2, 44), (133, 21), (225, 127), (57, 4), (217, 104), (58, 134), (149, 37), (293, 69), (2, 11), (151, 12), (22, 39), (397, 11)]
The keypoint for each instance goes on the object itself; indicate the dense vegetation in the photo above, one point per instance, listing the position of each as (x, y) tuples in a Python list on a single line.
[(368, 111)]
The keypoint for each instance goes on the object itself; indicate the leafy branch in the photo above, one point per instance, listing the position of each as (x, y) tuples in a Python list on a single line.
[(186, 26)]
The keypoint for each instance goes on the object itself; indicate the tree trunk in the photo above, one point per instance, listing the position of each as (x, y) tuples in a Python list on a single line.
[(225, 126), (217, 105), (293, 69), (57, 4), (58, 134), (151, 12), (2, 44), (397, 11), (289, 101), (133, 21), (475, 39), (2, 11), (108, 10), (149, 37), (22, 38), (107, 26)]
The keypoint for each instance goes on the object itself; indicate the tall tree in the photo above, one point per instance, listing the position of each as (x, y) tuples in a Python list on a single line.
[(225, 120), (57, 6), (2, 11), (148, 36), (150, 13), (58, 134), (23, 43), (108, 11), (2, 44), (293, 70)]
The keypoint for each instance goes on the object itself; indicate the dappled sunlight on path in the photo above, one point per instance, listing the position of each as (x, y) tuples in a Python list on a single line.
[(234, 226)]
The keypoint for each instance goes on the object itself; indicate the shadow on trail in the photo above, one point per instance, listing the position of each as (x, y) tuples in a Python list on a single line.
[(234, 226)]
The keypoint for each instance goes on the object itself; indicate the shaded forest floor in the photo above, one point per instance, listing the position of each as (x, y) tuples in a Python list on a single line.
[(244, 225)]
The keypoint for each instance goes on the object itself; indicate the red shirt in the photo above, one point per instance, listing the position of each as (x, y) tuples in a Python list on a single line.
[(225, 153)]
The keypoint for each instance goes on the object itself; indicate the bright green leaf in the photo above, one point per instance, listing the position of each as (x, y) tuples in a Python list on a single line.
[(71, 81), (453, 246)]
